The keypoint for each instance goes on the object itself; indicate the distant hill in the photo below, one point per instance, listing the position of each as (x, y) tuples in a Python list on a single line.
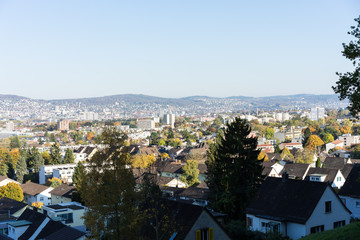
[(12, 97)]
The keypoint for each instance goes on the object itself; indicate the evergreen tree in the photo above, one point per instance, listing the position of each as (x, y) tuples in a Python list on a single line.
[(79, 173), (21, 169), (318, 163), (14, 142), (191, 172), (4, 168), (307, 134), (234, 172), (38, 161), (69, 156), (108, 190), (55, 154)]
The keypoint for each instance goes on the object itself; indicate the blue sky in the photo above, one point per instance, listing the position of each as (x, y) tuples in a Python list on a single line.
[(71, 49)]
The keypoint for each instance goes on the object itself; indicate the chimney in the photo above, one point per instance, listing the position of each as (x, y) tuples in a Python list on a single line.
[(285, 177)]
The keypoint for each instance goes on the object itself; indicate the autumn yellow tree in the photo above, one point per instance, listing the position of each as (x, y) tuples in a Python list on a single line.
[(263, 156), (89, 136), (53, 182), (314, 142), (37, 204), (345, 129), (142, 161), (12, 190), (15, 154), (164, 156), (286, 154)]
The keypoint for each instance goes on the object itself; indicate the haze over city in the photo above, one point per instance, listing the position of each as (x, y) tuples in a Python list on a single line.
[(74, 49)]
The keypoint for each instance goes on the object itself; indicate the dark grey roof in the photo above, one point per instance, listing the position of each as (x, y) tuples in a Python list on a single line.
[(36, 219), (346, 170), (351, 187), (274, 156), (60, 233), (330, 173), (63, 190), (202, 168), (291, 200), (58, 206), (335, 162), (172, 167), (7, 204), (296, 170)]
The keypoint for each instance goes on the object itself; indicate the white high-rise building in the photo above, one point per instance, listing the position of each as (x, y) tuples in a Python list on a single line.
[(317, 113), (169, 119)]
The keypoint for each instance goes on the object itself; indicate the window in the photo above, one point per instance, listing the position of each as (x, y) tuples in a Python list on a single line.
[(315, 179), (328, 207), (270, 226), (249, 222), (41, 198), (357, 203), (317, 229), (339, 224), (68, 217), (205, 234), (338, 179)]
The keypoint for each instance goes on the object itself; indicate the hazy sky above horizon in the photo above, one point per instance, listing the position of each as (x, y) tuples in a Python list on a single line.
[(84, 48)]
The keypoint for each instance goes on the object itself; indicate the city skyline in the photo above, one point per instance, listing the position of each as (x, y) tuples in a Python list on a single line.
[(67, 50)]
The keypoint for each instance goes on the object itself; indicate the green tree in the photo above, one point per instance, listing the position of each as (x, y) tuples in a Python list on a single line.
[(234, 173), (38, 162), (356, 152), (318, 163), (269, 133), (190, 172), (53, 182), (348, 84), (327, 137), (12, 190), (21, 169), (15, 142), (108, 190), (55, 154), (286, 154), (170, 133), (307, 134), (4, 168), (79, 173), (69, 156), (52, 137)]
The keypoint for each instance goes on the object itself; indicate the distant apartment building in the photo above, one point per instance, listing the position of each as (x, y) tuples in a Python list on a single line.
[(10, 126), (145, 124), (282, 117), (317, 113), (349, 140), (63, 125), (89, 116), (291, 133), (169, 119), (61, 171)]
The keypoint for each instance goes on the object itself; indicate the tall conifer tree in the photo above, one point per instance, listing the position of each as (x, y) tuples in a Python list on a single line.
[(234, 172)]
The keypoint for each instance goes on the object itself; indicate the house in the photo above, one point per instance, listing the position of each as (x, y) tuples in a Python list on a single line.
[(34, 192), (34, 225), (268, 148), (295, 208), (83, 153), (62, 194), (334, 144), (349, 140), (10, 210), (5, 180), (61, 171), (290, 146), (190, 222), (272, 169), (350, 192), (70, 213), (296, 170), (332, 176), (171, 169)]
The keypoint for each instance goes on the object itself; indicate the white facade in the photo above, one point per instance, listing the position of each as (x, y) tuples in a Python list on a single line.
[(353, 204), (145, 124), (349, 140), (319, 217), (317, 113), (169, 119), (47, 171), (44, 197)]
